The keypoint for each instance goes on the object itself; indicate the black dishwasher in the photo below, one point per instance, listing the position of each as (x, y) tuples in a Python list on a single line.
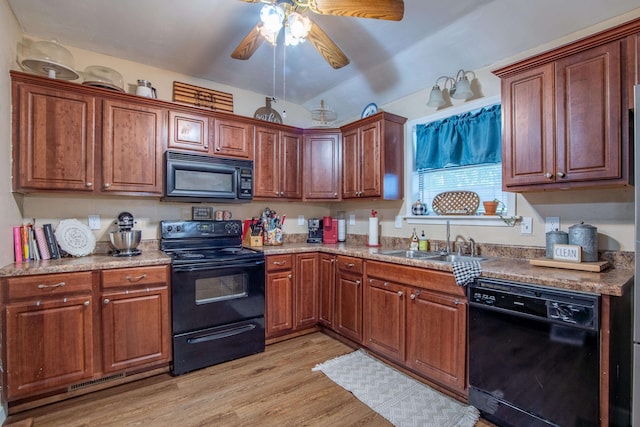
[(533, 354)]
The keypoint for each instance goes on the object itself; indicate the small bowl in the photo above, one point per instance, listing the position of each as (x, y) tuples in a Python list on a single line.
[(125, 241)]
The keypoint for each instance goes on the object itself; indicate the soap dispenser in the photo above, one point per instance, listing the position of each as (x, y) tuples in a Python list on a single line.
[(413, 246)]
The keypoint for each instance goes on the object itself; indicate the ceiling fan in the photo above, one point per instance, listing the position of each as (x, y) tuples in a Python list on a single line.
[(298, 27)]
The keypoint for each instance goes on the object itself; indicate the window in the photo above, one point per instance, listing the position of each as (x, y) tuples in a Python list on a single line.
[(459, 152)]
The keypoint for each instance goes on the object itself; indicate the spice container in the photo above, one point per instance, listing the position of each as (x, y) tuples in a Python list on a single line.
[(555, 237), (586, 236)]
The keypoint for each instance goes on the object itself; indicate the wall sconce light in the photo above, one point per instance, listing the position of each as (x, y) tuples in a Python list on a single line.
[(460, 89)]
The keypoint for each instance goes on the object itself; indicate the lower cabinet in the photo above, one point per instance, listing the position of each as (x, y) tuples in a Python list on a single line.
[(135, 318), (418, 318), (291, 293), (326, 289), (52, 337), (348, 309)]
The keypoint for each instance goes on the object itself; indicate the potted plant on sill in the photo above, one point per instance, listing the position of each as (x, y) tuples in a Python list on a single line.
[(491, 206)]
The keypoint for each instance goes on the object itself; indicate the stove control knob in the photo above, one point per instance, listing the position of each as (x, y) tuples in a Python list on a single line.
[(169, 228), (178, 228)]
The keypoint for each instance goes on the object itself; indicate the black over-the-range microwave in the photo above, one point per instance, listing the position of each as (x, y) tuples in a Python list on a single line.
[(202, 178)]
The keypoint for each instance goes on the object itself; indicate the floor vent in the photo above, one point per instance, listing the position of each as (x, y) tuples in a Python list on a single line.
[(94, 382)]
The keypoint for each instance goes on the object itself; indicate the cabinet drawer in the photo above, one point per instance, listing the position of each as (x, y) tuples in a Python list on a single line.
[(351, 264), (49, 284), (127, 277), (279, 262)]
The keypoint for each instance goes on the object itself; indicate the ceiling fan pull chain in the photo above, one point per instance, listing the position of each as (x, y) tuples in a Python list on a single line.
[(273, 91), (284, 81)]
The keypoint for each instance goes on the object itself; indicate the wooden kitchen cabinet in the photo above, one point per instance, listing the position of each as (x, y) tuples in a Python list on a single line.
[(562, 119), (136, 328), (48, 336), (385, 318), (322, 170), (418, 318), (326, 289), (192, 132), (53, 138), (233, 138), (348, 310), (373, 157), (133, 142), (279, 283), (277, 164), (306, 290)]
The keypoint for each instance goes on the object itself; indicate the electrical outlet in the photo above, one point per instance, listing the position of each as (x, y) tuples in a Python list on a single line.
[(94, 222), (551, 223), (352, 219), (300, 219), (398, 221), (526, 226)]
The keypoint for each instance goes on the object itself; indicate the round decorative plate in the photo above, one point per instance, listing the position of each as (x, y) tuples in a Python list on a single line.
[(369, 110), (75, 238)]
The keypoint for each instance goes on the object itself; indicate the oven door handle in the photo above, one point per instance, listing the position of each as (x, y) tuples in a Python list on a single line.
[(200, 267)]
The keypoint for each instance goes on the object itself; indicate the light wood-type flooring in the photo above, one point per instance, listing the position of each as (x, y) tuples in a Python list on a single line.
[(274, 388)]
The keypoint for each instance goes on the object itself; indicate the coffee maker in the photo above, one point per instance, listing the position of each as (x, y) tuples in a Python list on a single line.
[(315, 230), (330, 230)]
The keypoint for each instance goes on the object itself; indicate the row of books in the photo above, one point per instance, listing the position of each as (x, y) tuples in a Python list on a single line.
[(35, 243)]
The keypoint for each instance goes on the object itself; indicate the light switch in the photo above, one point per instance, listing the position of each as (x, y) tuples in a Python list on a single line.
[(300, 219), (352, 219), (94, 222)]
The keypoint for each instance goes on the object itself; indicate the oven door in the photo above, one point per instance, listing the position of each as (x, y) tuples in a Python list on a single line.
[(205, 295)]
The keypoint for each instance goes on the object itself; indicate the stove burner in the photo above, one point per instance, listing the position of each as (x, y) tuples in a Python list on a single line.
[(190, 255), (132, 252), (232, 250)]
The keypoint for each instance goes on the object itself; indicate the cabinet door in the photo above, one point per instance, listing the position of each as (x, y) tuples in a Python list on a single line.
[(55, 139), (349, 305), (233, 138), (370, 164), (588, 103), (528, 153), (134, 138), (322, 171), (266, 163), (306, 294), (384, 318), (188, 132), (49, 345), (290, 161), (279, 295), (135, 328), (327, 289), (351, 165), (436, 337)]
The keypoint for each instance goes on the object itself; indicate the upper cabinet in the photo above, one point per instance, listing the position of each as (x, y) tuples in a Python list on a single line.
[(373, 157), (277, 165), (322, 172), (233, 138), (188, 131), (53, 139), (565, 114)]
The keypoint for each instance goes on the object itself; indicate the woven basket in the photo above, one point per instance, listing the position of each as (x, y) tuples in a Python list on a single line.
[(456, 203)]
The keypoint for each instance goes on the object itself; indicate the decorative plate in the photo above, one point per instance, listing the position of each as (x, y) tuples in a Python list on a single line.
[(75, 238), (369, 110)]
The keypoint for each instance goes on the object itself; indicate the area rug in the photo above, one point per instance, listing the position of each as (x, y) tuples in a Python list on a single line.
[(399, 398)]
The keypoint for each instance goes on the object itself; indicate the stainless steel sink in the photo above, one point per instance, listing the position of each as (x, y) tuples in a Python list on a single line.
[(431, 256)]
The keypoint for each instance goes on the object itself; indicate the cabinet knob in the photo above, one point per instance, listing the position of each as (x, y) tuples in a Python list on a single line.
[(106, 301), (350, 265), (136, 279), (357, 282), (57, 285), (86, 303), (290, 276), (370, 280), (412, 296), (279, 262), (89, 184), (560, 175), (217, 148), (386, 284), (335, 194), (400, 293), (456, 301), (333, 260), (282, 193), (548, 175), (206, 146), (107, 185)]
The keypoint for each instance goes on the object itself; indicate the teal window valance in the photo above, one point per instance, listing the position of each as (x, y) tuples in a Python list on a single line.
[(471, 138)]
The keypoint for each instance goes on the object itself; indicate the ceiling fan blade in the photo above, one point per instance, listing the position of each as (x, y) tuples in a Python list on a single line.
[(326, 47), (390, 10), (249, 44)]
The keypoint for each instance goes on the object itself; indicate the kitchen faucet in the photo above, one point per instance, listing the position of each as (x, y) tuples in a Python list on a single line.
[(472, 243), (447, 248)]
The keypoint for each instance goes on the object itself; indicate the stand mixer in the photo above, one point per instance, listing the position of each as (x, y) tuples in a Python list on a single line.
[(125, 240)]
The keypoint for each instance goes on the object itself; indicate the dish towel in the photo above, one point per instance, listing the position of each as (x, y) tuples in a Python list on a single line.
[(465, 272)]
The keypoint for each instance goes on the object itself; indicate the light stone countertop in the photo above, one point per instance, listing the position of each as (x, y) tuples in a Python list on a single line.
[(612, 281)]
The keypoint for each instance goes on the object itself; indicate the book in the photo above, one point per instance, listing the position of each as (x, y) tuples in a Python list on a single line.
[(24, 235), (51, 241), (41, 240), (17, 244)]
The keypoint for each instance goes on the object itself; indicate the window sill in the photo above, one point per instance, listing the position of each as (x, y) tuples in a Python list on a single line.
[(477, 220)]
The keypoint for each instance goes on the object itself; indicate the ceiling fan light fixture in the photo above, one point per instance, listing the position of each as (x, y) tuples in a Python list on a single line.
[(299, 25), (272, 17)]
